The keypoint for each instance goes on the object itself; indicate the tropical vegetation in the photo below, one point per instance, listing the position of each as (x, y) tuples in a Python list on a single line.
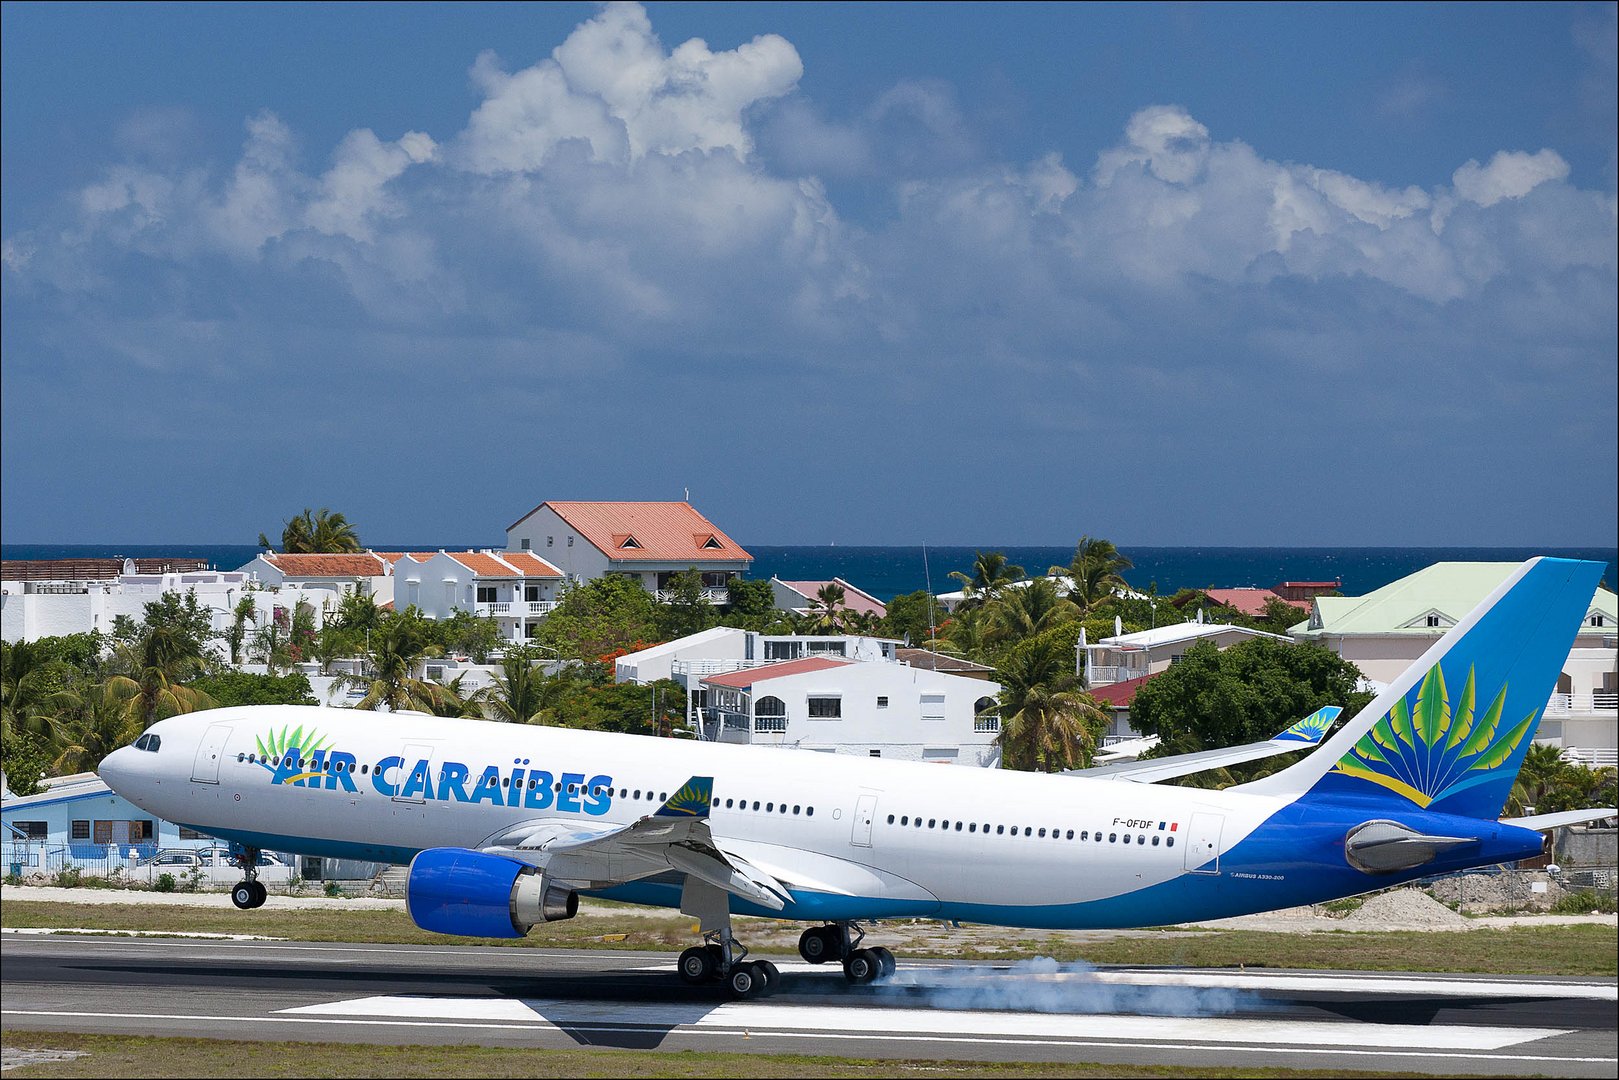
[(315, 532)]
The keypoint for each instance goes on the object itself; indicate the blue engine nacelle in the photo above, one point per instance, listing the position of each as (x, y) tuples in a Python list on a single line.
[(474, 894)]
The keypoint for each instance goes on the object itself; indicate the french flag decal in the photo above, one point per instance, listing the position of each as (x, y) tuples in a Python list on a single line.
[(1173, 825)]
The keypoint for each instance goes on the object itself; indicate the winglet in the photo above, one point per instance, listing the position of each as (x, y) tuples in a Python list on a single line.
[(692, 800), (1312, 728)]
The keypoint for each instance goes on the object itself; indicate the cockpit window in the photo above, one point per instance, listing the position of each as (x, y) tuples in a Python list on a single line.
[(148, 742)]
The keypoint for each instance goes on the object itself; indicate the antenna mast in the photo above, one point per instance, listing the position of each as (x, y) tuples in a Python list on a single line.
[(933, 660)]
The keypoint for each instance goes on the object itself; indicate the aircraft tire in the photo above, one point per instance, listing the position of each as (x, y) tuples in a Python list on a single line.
[(861, 967), (744, 982), (244, 895), (696, 966), (886, 961), (260, 894), (771, 974), (816, 946)]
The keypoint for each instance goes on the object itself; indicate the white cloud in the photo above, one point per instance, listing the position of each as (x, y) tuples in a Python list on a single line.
[(354, 189), (1511, 174)]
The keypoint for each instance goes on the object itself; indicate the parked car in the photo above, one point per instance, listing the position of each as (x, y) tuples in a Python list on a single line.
[(217, 865)]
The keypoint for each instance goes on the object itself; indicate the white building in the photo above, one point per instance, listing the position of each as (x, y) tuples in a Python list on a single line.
[(724, 648), (30, 610), (648, 542), (364, 572), (1147, 652), (1386, 630), (872, 709), (516, 589)]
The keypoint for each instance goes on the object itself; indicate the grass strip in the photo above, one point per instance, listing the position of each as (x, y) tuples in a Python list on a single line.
[(136, 1057), (1585, 950)]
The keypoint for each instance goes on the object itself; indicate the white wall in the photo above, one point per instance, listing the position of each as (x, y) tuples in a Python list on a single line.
[(555, 541)]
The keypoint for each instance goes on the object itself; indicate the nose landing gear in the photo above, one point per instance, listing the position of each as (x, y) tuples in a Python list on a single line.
[(841, 941), (250, 892)]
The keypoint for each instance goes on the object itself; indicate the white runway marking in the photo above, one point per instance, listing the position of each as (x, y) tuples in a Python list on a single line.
[(820, 1019)]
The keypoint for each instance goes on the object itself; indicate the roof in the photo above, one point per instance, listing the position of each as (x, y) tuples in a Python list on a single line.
[(1309, 585), (529, 564), (60, 789), (646, 531), (393, 557), (93, 569), (937, 661), (855, 599), (1247, 601), (1449, 590), (1186, 631), (741, 680), (1121, 694), (363, 564)]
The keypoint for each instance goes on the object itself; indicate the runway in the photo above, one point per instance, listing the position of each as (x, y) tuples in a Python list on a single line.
[(1028, 1012)]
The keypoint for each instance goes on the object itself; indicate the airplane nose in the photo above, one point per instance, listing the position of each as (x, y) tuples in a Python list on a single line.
[(115, 767)]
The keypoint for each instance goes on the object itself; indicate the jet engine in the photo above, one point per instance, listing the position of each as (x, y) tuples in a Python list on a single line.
[(1384, 847), (474, 894)]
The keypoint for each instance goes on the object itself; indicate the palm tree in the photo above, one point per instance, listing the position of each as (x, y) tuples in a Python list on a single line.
[(316, 532), (991, 574), (241, 615), (92, 724), (23, 689), (156, 669), (523, 693), (1024, 612), (1046, 721), (452, 699), (392, 656), (966, 633), (1093, 575), (828, 613)]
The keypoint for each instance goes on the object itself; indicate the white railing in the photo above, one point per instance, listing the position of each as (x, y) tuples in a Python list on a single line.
[(769, 723), (986, 723), (503, 607), (541, 607), (1583, 703), (709, 596), (1100, 675), (715, 667), (1592, 758)]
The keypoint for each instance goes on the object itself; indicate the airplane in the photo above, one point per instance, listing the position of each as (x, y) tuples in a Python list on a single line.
[(505, 826)]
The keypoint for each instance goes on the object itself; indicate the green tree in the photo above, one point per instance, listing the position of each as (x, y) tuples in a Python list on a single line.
[(686, 611), (466, 634), (991, 574), (242, 614), (967, 633), (155, 671), (1028, 610), (828, 612), (186, 625), (26, 761), (454, 698), (600, 617), (751, 604), (912, 617), (522, 692), (230, 688), (93, 722), (1047, 722), (1247, 693), (314, 532)]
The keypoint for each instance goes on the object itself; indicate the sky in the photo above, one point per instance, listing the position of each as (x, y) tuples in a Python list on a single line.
[(860, 274)]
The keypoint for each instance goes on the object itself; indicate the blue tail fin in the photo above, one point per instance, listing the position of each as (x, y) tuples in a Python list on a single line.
[(1450, 734)]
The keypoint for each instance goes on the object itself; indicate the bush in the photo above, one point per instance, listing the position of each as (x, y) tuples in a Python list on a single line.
[(69, 877), (333, 889), (164, 883), (1584, 902)]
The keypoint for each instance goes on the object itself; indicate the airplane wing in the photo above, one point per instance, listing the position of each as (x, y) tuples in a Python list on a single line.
[(1297, 736), (673, 837), (1541, 822)]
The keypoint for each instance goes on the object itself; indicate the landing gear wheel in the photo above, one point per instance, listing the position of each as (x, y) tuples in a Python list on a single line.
[(817, 946), (771, 975), (697, 965), (245, 896), (862, 966), (746, 981), (260, 893), (886, 960)]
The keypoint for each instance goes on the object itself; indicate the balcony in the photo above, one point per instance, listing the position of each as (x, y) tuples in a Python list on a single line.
[(1583, 704), (1100, 675), (769, 723), (704, 668), (982, 724), (514, 609), (709, 596), (499, 610)]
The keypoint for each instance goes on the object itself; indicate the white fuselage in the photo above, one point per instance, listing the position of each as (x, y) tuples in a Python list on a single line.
[(897, 837)]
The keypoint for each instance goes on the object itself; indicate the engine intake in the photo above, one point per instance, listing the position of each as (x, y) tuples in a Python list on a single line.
[(474, 894), (1385, 847)]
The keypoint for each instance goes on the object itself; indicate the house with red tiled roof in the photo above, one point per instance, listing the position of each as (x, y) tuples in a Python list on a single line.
[(365, 572), (800, 597), (649, 542), (516, 589)]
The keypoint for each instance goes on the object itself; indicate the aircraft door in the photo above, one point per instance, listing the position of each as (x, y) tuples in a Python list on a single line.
[(865, 812), (205, 770), (1203, 844), (415, 774)]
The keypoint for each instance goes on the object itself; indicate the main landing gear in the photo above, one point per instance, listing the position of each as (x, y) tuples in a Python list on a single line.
[(841, 941), (721, 957), (250, 891)]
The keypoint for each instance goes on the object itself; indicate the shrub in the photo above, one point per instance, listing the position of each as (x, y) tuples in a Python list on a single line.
[(1584, 902), (333, 889), (69, 877), (164, 883)]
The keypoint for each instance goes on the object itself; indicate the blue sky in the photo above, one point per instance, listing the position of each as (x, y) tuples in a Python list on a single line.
[(856, 274)]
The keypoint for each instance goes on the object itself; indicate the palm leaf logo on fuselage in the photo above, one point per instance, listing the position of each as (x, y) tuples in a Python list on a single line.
[(288, 741), (1429, 750)]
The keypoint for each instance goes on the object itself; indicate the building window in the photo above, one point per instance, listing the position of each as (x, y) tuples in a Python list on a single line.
[(882, 701), (526, 545), (933, 706), (1433, 620), (530, 630), (826, 708), (770, 706), (191, 834), (877, 753), (1597, 619), (550, 541), (531, 593), (486, 594), (80, 830), (823, 646), (570, 541), (781, 650), (33, 830), (716, 579)]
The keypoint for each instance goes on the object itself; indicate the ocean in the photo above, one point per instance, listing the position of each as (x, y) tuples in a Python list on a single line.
[(886, 572)]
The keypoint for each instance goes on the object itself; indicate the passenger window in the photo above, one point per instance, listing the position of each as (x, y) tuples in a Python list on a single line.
[(1113, 838), (958, 826), (932, 822), (1141, 839), (1042, 833), (1155, 841), (809, 811), (973, 827), (890, 816), (1169, 842), (769, 806), (891, 819), (999, 829), (727, 804), (756, 804), (1126, 838), (1070, 834)]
